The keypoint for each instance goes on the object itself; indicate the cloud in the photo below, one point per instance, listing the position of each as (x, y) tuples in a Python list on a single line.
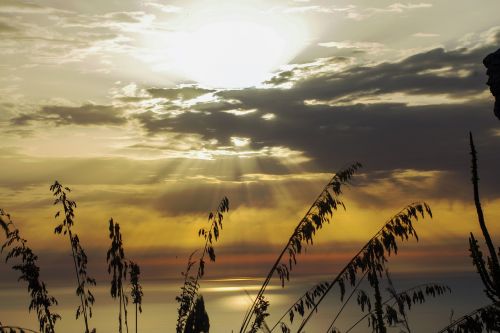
[(15, 6), (6, 28), (170, 9), (353, 45), (388, 135), (87, 114), (184, 93), (357, 12), (425, 35), (121, 21), (45, 35)]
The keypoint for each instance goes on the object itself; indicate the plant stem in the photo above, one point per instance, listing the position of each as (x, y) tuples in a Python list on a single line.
[(464, 318), (346, 301), (379, 313), (346, 267), (78, 279), (22, 329), (475, 181), (248, 315)]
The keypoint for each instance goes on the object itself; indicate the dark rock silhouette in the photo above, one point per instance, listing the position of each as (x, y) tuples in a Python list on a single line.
[(492, 63)]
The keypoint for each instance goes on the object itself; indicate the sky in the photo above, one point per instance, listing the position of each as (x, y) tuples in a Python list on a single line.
[(152, 111)]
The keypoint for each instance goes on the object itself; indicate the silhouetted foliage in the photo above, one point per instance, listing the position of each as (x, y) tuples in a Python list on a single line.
[(371, 258), (198, 321), (370, 263), (136, 292), (488, 270), (41, 301), (119, 266), (79, 257), (487, 317), (376, 318), (189, 291), (395, 308), (260, 312), (318, 214), (15, 329)]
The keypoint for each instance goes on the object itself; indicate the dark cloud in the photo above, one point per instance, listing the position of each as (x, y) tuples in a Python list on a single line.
[(417, 74), (184, 93), (384, 136), (87, 114), (5, 28), (124, 17), (281, 78), (18, 4)]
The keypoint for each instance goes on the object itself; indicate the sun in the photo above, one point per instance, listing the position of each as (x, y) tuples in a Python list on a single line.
[(235, 48)]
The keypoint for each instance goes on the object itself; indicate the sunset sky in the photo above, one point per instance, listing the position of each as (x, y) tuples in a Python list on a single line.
[(152, 111)]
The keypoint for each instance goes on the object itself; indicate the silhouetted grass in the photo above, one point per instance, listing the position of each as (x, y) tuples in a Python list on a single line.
[(369, 261), (487, 317), (41, 301), (119, 266), (189, 300), (79, 257), (319, 213), (368, 264), (136, 292)]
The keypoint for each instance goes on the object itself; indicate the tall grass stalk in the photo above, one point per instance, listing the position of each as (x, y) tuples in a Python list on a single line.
[(15, 329), (136, 292), (378, 318), (403, 301), (119, 266), (486, 318), (488, 270), (372, 256), (332, 327), (79, 257), (41, 301), (319, 213), (189, 292)]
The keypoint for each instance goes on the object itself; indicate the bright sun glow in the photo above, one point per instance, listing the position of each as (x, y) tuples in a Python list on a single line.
[(235, 51)]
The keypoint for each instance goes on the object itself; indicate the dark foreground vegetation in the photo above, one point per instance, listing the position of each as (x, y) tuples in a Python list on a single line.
[(380, 308)]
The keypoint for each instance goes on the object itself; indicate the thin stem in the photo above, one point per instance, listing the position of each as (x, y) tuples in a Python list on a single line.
[(120, 313), (347, 301), (21, 329), (124, 308), (249, 313), (385, 302), (292, 306), (461, 319), (480, 216), (346, 267), (84, 307), (378, 304)]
